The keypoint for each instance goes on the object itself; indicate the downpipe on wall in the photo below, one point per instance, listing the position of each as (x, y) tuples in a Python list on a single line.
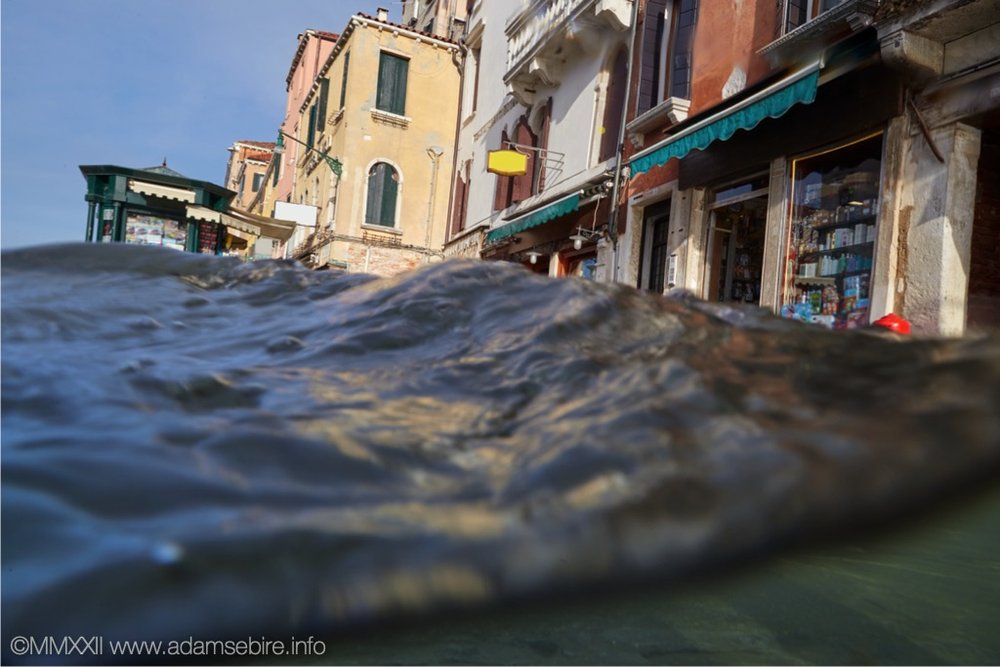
[(616, 189)]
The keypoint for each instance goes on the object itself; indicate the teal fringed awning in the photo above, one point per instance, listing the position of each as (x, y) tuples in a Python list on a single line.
[(535, 218), (769, 103)]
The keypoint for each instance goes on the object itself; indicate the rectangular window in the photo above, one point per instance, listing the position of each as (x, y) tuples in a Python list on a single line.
[(667, 44), (476, 53), (343, 80), (683, 41), (799, 12), (324, 92), (392, 73), (258, 179), (311, 135), (835, 202)]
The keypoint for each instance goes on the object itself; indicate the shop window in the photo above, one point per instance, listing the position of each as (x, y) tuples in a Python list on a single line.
[(830, 249), (383, 188), (667, 40), (800, 12), (391, 94), (653, 255), (153, 230)]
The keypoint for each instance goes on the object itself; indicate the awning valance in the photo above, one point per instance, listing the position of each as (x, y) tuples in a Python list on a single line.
[(271, 228), (540, 216), (771, 102), (203, 213), (163, 191), (235, 223)]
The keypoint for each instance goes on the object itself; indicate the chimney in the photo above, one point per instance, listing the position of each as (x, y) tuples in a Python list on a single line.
[(382, 14)]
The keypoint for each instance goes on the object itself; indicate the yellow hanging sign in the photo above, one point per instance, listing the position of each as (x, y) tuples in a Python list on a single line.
[(507, 163)]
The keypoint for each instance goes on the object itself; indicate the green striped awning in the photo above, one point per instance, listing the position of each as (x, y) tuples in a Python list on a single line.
[(537, 217), (773, 101)]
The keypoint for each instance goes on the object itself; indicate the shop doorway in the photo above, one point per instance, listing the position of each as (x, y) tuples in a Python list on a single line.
[(738, 219), (983, 313), (653, 257)]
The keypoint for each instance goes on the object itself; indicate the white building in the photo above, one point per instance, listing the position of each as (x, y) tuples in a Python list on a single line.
[(556, 97)]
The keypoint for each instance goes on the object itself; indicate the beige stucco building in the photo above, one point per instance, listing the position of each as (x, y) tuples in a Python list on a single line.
[(384, 109)]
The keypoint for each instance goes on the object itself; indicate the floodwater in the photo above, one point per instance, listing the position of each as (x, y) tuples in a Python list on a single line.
[(508, 468)]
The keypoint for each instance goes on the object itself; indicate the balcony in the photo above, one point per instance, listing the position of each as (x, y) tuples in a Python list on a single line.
[(543, 36)]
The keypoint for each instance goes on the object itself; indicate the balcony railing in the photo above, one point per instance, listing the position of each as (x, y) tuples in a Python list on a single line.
[(538, 34)]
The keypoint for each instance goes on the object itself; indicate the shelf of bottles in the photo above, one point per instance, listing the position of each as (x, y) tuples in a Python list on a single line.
[(832, 235)]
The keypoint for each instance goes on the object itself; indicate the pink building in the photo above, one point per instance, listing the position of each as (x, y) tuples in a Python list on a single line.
[(314, 48)]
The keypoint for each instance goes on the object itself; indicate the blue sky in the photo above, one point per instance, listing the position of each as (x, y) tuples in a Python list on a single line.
[(129, 82)]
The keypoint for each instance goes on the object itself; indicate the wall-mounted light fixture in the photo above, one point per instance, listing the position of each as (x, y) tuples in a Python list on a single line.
[(581, 236)]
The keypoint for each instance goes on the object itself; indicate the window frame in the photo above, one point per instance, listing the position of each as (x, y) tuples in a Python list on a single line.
[(371, 219), (397, 104)]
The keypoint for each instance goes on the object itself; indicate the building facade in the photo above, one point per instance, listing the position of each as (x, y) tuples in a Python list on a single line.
[(556, 98), (833, 161), (376, 148), (245, 170), (444, 18), (314, 47)]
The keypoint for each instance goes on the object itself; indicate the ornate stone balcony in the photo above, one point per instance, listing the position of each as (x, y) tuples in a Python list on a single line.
[(545, 33)]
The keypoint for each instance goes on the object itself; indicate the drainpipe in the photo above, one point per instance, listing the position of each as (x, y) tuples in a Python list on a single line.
[(615, 192), (435, 153)]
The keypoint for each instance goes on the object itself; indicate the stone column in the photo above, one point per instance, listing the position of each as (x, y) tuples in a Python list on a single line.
[(775, 236), (938, 242)]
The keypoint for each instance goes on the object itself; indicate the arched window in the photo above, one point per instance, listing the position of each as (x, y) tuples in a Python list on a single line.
[(383, 187)]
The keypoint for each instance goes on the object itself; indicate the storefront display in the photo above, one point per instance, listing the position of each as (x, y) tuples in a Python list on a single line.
[(832, 235), (153, 230), (208, 238)]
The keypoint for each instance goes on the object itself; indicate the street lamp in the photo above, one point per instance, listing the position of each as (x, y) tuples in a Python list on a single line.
[(335, 164)]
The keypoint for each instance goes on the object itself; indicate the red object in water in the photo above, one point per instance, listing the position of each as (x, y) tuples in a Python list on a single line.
[(894, 323)]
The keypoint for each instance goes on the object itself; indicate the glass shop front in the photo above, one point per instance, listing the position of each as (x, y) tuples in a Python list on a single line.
[(831, 235)]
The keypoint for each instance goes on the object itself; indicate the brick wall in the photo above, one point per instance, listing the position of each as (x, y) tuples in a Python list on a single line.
[(382, 261)]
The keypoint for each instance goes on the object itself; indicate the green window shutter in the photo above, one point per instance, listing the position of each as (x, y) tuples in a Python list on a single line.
[(383, 190), (324, 91), (392, 73), (312, 126), (343, 82), (390, 189), (372, 212), (402, 70)]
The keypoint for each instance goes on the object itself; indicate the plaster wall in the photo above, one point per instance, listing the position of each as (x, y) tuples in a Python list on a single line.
[(316, 50), (419, 145), (576, 122)]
